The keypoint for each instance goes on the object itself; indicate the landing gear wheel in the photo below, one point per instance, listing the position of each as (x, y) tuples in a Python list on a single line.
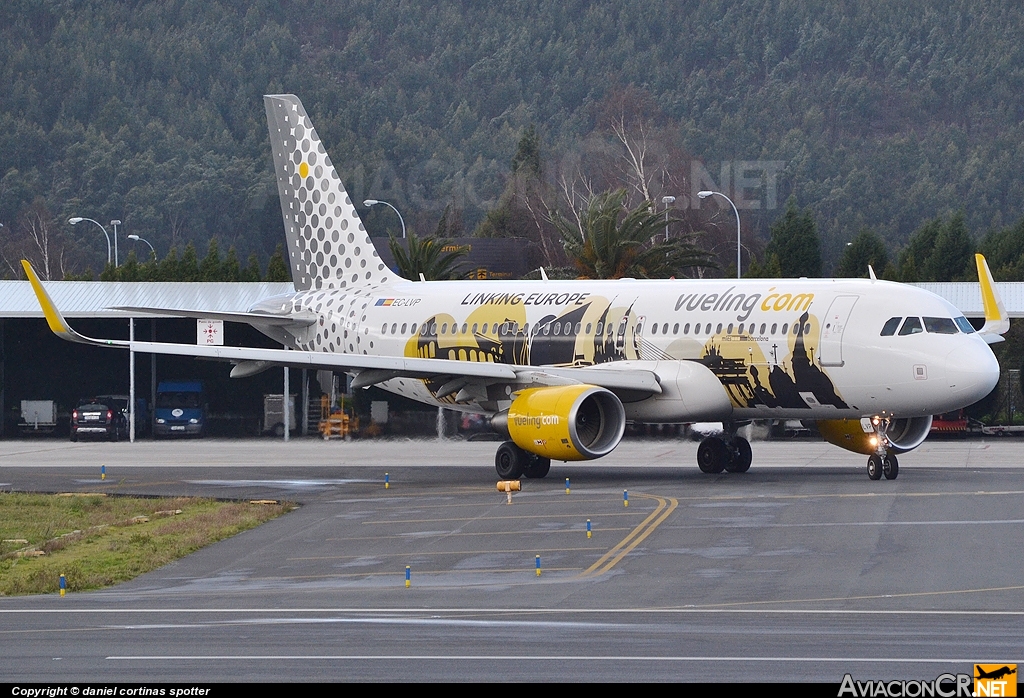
[(741, 455), (538, 467), (510, 461), (890, 467), (875, 467), (712, 455)]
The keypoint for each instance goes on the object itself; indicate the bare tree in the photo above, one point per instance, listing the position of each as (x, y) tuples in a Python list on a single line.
[(37, 238)]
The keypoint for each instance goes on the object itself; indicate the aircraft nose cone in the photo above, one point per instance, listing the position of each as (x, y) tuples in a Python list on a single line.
[(972, 371)]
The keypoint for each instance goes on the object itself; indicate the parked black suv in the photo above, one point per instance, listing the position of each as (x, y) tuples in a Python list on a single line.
[(101, 417)]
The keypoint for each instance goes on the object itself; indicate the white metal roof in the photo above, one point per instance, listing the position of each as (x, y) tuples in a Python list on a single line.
[(95, 298), (967, 296)]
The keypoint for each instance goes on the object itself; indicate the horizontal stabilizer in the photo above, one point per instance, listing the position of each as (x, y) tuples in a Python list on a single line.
[(259, 319)]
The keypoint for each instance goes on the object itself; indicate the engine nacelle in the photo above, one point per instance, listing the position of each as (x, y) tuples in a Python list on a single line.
[(867, 437), (908, 433), (566, 422)]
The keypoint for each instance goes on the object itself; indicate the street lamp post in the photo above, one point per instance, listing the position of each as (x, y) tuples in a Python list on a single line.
[(374, 202), (136, 238), (114, 225), (706, 194), (78, 219), (667, 200)]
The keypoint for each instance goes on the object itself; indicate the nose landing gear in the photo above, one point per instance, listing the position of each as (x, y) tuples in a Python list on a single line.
[(881, 462), (886, 465)]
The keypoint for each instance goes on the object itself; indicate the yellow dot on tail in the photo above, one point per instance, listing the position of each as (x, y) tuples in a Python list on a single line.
[(303, 170)]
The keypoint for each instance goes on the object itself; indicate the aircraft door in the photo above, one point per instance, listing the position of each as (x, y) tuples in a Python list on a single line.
[(830, 347)]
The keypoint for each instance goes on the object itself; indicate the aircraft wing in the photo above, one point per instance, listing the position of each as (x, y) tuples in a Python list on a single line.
[(369, 370)]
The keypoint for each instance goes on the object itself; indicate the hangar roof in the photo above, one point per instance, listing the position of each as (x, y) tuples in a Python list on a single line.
[(95, 298), (967, 296)]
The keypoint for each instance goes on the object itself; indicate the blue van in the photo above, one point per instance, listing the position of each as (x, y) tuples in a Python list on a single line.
[(180, 409)]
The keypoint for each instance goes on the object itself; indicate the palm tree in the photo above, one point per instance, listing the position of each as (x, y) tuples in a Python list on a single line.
[(610, 241), (437, 259)]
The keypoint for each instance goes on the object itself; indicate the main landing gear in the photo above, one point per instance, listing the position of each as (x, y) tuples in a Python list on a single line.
[(731, 454), (512, 462), (879, 465)]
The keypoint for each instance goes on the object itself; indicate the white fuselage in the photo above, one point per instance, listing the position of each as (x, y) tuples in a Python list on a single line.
[(781, 348)]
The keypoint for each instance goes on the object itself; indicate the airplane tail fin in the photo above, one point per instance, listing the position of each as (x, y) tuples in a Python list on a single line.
[(997, 322), (328, 247)]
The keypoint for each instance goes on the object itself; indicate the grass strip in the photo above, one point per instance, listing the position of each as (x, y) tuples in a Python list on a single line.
[(96, 540)]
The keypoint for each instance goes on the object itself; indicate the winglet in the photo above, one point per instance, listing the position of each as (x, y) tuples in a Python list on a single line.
[(58, 325), (997, 322)]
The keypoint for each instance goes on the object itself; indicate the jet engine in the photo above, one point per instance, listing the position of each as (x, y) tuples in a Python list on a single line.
[(566, 422), (872, 436)]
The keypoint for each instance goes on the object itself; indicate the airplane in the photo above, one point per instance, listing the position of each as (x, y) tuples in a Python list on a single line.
[(559, 367), (995, 674)]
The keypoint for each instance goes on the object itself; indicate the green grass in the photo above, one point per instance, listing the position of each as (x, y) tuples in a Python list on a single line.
[(96, 541)]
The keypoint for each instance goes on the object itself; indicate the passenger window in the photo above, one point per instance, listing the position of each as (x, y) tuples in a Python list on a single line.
[(686, 328), (911, 325), (600, 328), (464, 328), (719, 330), (675, 328), (889, 328), (729, 329), (476, 326), (785, 327), (964, 324), (762, 328), (775, 326), (654, 328), (394, 328), (412, 330), (589, 325), (940, 325)]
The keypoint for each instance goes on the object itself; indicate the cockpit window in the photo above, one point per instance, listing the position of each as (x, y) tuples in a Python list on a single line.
[(911, 325), (964, 324), (940, 325), (889, 328)]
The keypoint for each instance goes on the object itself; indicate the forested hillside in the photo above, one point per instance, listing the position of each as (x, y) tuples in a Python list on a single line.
[(878, 114)]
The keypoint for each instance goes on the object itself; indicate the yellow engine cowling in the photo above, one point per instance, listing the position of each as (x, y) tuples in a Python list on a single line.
[(566, 422), (870, 436)]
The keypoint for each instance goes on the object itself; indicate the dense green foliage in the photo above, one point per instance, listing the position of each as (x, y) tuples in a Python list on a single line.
[(940, 250), (436, 259), (794, 248), (866, 249), (609, 241), (882, 115)]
